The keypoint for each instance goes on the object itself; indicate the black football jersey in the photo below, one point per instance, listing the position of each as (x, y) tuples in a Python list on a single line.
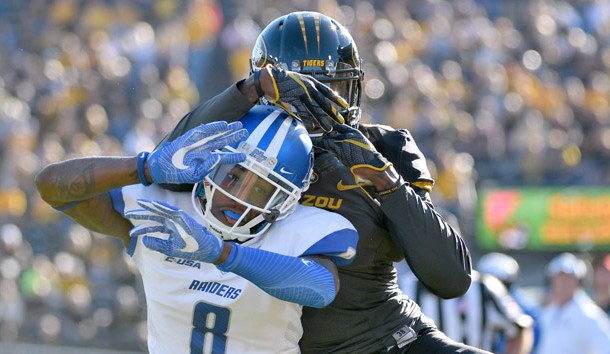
[(369, 306)]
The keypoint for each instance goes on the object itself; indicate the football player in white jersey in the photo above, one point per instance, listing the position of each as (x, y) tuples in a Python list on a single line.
[(228, 267)]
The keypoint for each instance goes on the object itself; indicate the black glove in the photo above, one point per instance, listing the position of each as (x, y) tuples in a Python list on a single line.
[(312, 99), (352, 148)]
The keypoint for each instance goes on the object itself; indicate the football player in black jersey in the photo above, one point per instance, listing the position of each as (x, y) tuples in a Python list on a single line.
[(374, 175)]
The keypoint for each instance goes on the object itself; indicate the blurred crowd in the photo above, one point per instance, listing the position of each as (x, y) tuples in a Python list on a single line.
[(495, 93)]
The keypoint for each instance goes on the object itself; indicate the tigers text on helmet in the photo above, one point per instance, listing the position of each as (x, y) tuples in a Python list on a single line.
[(240, 201), (314, 44)]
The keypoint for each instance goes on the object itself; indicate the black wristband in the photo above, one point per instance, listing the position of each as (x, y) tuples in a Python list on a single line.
[(399, 183), (257, 83)]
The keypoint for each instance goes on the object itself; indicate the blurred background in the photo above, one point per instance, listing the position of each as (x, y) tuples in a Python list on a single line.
[(508, 100)]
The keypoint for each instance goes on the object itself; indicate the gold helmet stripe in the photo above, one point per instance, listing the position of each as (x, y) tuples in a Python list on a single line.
[(302, 23), (317, 24)]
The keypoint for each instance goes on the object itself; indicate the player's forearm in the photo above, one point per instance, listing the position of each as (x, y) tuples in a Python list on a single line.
[(84, 178), (79, 187), (229, 105), (287, 278), (435, 251), (248, 89)]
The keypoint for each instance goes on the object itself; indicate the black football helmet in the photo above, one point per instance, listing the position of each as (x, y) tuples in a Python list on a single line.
[(314, 44)]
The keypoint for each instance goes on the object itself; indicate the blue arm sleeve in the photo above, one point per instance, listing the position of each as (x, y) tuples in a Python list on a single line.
[(287, 278)]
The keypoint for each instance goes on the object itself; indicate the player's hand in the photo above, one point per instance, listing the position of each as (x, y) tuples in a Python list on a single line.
[(312, 99), (191, 156), (367, 164), (187, 238), (352, 148)]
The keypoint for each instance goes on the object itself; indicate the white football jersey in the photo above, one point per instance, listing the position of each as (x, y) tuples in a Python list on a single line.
[(193, 307)]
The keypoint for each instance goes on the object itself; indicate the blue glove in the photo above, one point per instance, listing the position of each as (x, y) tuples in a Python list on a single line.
[(190, 157), (187, 238)]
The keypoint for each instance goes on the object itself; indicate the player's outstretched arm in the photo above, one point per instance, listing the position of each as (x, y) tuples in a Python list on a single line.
[(229, 105), (78, 188), (434, 250), (313, 100)]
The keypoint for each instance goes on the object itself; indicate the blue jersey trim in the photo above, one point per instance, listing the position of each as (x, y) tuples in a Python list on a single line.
[(336, 245), (118, 203)]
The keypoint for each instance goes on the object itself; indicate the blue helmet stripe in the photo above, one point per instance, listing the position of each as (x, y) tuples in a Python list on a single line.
[(278, 140), (262, 134)]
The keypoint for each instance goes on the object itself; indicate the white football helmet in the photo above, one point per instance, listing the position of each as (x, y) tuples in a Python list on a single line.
[(268, 184)]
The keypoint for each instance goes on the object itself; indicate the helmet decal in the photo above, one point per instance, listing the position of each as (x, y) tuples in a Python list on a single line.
[(259, 53), (314, 62)]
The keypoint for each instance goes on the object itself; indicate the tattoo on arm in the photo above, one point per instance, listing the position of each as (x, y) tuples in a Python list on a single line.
[(80, 186), (95, 212)]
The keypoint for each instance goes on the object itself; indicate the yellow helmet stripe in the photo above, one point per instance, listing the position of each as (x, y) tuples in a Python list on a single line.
[(302, 23), (317, 25)]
